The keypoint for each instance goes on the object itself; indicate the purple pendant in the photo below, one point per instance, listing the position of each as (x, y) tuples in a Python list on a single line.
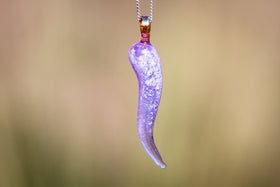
[(146, 64)]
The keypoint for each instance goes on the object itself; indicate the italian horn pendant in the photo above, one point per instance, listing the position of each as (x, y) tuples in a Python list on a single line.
[(147, 66)]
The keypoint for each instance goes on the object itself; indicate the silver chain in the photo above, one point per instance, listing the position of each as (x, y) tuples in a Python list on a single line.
[(139, 10)]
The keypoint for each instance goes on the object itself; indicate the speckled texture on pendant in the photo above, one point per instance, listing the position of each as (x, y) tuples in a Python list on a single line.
[(146, 64)]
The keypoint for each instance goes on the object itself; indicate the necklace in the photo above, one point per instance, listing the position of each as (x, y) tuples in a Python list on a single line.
[(146, 63)]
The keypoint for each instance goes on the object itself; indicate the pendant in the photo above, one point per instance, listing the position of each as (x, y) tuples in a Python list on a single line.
[(146, 63)]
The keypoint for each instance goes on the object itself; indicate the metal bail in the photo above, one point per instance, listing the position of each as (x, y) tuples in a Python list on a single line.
[(145, 28)]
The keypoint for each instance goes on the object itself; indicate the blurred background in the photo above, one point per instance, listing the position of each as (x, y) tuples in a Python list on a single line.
[(68, 94)]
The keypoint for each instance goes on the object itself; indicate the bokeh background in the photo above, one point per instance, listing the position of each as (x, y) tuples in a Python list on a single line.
[(68, 95)]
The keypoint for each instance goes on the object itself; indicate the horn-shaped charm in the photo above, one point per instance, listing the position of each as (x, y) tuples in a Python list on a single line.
[(146, 64)]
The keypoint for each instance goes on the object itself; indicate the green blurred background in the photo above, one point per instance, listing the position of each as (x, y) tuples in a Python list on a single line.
[(68, 95)]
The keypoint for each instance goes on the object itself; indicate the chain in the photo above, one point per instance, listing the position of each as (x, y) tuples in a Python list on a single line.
[(139, 10)]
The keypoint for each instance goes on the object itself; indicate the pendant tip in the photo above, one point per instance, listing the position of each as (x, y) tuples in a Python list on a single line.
[(162, 165)]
